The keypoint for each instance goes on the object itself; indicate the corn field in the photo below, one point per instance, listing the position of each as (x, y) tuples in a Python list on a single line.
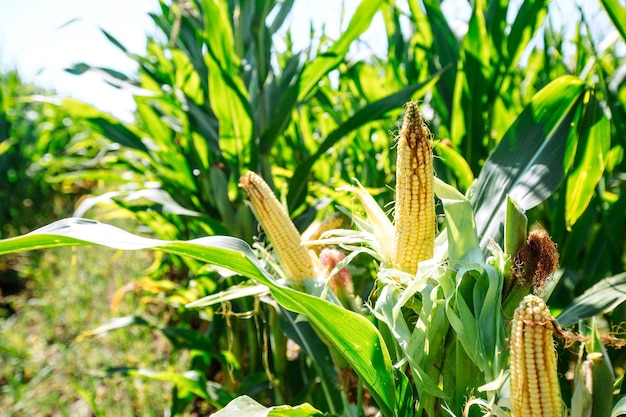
[(432, 231)]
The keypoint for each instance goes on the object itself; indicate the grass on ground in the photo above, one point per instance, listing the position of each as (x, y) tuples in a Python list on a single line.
[(46, 371)]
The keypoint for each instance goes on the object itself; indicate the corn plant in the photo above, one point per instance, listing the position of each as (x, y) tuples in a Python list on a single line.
[(33, 139), (218, 108), (204, 119), (433, 340)]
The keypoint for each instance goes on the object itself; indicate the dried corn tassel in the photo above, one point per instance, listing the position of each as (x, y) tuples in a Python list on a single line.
[(414, 239), (535, 388), (294, 258)]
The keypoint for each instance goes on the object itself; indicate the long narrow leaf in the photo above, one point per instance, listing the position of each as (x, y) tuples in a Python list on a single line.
[(602, 297), (328, 60), (617, 13), (528, 163), (594, 137), (227, 92), (363, 349), (313, 72)]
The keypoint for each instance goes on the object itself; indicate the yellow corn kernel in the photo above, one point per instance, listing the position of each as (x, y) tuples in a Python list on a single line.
[(414, 217), (535, 388), (294, 258)]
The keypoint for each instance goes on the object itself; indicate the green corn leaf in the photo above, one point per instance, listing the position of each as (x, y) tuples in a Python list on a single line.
[(528, 163), (604, 245), (617, 13), (81, 68), (602, 297), (232, 293), (118, 133), (204, 121), (456, 163), (114, 40), (445, 46), (603, 375), (284, 8), (314, 71), (582, 400), (412, 344), (334, 55), (619, 409), (473, 80), (593, 137), (524, 27), (227, 92), (245, 406), (487, 300), (102, 123), (364, 350), (515, 227), (457, 291)]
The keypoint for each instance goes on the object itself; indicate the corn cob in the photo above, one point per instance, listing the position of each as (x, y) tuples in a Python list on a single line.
[(414, 217), (534, 382), (294, 258), (316, 230)]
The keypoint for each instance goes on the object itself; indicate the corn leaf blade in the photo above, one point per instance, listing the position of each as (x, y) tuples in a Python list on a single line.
[(604, 296), (528, 163), (245, 406), (593, 140), (617, 13), (315, 70), (365, 350)]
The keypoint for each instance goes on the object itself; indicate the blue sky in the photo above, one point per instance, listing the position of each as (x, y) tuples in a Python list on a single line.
[(36, 39), (42, 37)]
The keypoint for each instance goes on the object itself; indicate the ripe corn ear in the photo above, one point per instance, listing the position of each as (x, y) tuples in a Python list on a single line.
[(414, 218), (294, 258), (535, 388), (316, 230)]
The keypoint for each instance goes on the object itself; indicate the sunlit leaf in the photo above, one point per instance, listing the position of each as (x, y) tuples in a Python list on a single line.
[(602, 297), (364, 350), (593, 136), (314, 71), (228, 94), (456, 163), (245, 406), (460, 225), (617, 13), (528, 162)]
